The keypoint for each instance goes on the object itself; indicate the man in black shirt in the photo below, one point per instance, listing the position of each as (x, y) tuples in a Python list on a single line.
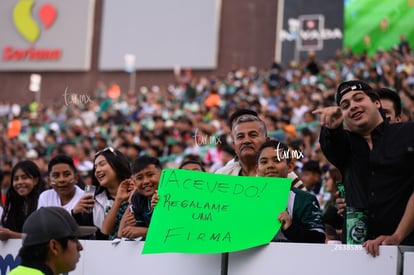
[(375, 159)]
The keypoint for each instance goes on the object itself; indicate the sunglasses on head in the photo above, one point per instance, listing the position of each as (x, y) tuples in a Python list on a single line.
[(111, 149)]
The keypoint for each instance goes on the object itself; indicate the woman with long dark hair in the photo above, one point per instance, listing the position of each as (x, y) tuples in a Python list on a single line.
[(110, 168), (21, 199)]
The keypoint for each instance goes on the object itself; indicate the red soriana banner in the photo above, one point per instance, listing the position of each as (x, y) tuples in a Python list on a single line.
[(27, 26), (46, 35)]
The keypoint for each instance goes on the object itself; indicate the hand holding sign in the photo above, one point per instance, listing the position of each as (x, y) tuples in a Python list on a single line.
[(201, 212)]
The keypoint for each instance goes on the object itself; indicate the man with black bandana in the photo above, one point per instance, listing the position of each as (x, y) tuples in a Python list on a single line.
[(375, 159)]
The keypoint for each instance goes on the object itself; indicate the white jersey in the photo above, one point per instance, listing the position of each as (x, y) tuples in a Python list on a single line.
[(101, 208), (51, 198)]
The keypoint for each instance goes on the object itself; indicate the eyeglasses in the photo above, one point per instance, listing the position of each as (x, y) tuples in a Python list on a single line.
[(111, 149)]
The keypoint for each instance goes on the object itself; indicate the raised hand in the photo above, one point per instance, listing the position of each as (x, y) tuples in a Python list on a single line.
[(330, 117)]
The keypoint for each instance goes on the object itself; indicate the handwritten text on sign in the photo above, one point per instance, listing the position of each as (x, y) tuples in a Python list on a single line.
[(200, 212)]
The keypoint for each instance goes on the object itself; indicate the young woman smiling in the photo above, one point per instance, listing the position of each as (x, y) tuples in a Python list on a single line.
[(110, 168), (22, 198)]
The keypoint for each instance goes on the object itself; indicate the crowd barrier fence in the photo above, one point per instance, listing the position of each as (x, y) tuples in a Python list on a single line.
[(103, 257)]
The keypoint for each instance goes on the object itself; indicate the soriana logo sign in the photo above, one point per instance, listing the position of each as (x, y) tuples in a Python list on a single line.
[(30, 26)]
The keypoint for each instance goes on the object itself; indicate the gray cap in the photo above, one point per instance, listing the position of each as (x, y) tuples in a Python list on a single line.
[(49, 223)]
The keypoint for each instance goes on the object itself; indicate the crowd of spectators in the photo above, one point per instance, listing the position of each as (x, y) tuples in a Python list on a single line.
[(190, 116)]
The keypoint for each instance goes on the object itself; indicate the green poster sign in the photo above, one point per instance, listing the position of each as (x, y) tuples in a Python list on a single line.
[(201, 213)]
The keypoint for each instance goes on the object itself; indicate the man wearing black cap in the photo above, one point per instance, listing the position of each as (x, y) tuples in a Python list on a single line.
[(392, 109), (375, 159), (50, 242)]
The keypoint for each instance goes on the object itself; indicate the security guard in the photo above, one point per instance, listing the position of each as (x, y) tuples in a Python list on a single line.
[(50, 243)]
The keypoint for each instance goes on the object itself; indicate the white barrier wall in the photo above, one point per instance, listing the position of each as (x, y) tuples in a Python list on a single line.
[(309, 259), (100, 257), (8, 254), (104, 258), (408, 266)]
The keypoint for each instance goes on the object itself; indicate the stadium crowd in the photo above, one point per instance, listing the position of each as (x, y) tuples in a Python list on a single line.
[(191, 118)]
